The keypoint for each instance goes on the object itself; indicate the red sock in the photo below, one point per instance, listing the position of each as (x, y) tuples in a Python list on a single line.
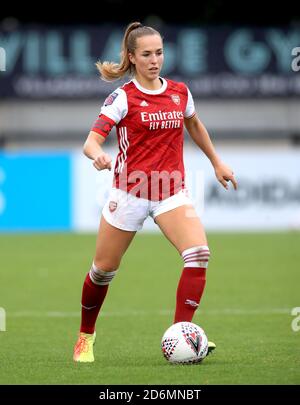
[(93, 296), (189, 292)]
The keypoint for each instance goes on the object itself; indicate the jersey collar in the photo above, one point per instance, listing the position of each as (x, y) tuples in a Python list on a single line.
[(158, 91)]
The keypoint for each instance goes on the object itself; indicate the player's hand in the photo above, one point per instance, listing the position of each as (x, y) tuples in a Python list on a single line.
[(225, 174), (102, 161)]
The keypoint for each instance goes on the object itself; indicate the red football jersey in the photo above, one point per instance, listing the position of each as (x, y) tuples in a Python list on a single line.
[(150, 125)]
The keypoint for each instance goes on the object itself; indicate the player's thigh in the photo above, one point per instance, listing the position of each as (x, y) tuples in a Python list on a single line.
[(111, 245), (182, 227)]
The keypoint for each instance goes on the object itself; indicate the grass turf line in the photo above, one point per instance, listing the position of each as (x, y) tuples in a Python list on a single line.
[(253, 283)]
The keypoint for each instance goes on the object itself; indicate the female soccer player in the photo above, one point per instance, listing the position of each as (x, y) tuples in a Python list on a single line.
[(149, 113)]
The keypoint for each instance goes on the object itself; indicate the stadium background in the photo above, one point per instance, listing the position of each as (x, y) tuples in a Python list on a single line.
[(238, 63)]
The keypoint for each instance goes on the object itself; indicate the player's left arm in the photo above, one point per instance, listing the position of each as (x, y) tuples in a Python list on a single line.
[(200, 136)]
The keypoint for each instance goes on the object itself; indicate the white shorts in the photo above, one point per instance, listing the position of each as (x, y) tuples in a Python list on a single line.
[(127, 212)]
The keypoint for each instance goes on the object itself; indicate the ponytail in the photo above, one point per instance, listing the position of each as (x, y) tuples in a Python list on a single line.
[(111, 71)]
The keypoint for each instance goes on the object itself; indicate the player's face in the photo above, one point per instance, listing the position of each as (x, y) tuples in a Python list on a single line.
[(148, 57)]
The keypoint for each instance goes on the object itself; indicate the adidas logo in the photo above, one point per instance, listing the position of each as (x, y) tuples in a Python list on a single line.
[(144, 104), (191, 303)]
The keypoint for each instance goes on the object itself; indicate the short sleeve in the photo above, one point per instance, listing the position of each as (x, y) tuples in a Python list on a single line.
[(115, 106), (190, 106)]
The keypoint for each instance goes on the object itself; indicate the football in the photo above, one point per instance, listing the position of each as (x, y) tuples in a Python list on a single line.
[(184, 343)]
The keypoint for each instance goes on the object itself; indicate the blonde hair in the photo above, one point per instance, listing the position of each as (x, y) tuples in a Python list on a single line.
[(111, 71)]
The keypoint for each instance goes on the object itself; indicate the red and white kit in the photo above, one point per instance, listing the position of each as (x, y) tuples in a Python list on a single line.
[(150, 130)]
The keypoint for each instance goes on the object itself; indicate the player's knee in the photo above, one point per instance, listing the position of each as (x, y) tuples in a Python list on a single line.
[(102, 275), (106, 264), (197, 256)]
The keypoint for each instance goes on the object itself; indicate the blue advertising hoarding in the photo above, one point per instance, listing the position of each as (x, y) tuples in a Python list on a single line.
[(35, 191)]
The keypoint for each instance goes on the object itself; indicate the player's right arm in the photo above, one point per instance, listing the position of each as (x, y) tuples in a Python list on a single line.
[(92, 148), (113, 110)]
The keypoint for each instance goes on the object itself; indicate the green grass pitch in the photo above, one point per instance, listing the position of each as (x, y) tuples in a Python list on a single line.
[(253, 282)]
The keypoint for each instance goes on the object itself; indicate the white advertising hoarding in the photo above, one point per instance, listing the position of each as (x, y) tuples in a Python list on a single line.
[(268, 196)]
